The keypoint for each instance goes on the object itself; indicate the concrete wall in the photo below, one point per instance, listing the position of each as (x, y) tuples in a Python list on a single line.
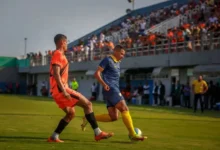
[(9, 74), (85, 82), (44, 77), (172, 60)]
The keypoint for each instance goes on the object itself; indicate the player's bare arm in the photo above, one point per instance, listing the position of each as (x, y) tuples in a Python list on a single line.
[(99, 78), (56, 71)]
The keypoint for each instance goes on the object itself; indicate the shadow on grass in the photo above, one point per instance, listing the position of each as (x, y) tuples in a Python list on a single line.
[(143, 117), (21, 137), (28, 139), (123, 142), (20, 114)]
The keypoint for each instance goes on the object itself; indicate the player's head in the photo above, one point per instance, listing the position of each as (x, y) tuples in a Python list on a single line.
[(119, 52), (60, 41)]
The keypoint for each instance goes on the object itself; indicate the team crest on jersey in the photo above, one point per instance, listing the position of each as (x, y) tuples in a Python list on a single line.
[(119, 94)]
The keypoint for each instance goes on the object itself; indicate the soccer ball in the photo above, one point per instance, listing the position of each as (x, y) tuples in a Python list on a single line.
[(138, 132)]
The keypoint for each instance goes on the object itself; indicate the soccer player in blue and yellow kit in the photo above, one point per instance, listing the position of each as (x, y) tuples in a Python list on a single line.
[(108, 74)]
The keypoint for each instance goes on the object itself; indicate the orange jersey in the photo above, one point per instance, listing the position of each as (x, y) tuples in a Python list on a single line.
[(58, 58)]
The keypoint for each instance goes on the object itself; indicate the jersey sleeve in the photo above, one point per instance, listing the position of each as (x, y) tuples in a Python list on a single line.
[(56, 58), (104, 63)]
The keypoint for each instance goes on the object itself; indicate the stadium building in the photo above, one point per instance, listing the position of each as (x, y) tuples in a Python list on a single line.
[(168, 58)]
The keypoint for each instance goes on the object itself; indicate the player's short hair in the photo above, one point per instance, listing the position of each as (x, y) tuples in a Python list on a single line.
[(59, 37), (119, 47)]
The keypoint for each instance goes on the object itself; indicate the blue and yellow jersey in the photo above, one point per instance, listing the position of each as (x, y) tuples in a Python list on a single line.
[(111, 72)]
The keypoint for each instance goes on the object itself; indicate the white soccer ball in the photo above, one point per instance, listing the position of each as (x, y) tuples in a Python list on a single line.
[(138, 132)]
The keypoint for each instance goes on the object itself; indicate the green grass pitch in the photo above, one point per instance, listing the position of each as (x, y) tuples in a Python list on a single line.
[(26, 123)]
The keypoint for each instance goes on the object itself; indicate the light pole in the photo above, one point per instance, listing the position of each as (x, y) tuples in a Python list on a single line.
[(25, 47), (133, 3)]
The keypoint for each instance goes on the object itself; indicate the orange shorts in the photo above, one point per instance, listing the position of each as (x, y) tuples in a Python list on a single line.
[(63, 102)]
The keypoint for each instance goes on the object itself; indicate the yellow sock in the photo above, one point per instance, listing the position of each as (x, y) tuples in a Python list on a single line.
[(126, 117), (103, 118)]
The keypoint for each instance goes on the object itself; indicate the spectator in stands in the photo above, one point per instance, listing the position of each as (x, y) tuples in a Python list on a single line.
[(109, 46), (213, 19), (102, 37), (132, 31)]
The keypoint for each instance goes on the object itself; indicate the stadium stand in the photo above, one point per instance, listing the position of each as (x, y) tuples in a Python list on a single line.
[(180, 26), (171, 51)]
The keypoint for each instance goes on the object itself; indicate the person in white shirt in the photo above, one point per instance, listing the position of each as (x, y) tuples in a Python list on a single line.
[(146, 93), (203, 6), (86, 50), (102, 37), (142, 26), (91, 45), (175, 6), (213, 19), (124, 33), (93, 90)]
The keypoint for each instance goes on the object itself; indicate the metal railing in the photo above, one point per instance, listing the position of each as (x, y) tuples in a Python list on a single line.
[(208, 42)]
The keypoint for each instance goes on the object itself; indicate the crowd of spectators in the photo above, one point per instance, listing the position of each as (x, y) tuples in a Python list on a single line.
[(199, 22)]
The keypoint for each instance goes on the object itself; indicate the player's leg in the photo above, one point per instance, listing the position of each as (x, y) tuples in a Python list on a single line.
[(111, 116), (126, 117), (70, 113), (90, 117)]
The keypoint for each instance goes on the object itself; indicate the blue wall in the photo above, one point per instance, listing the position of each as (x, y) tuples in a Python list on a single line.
[(22, 90), (145, 10)]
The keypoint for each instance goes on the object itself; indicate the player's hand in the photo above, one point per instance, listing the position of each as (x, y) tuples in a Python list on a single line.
[(106, 87), (67, 95)]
